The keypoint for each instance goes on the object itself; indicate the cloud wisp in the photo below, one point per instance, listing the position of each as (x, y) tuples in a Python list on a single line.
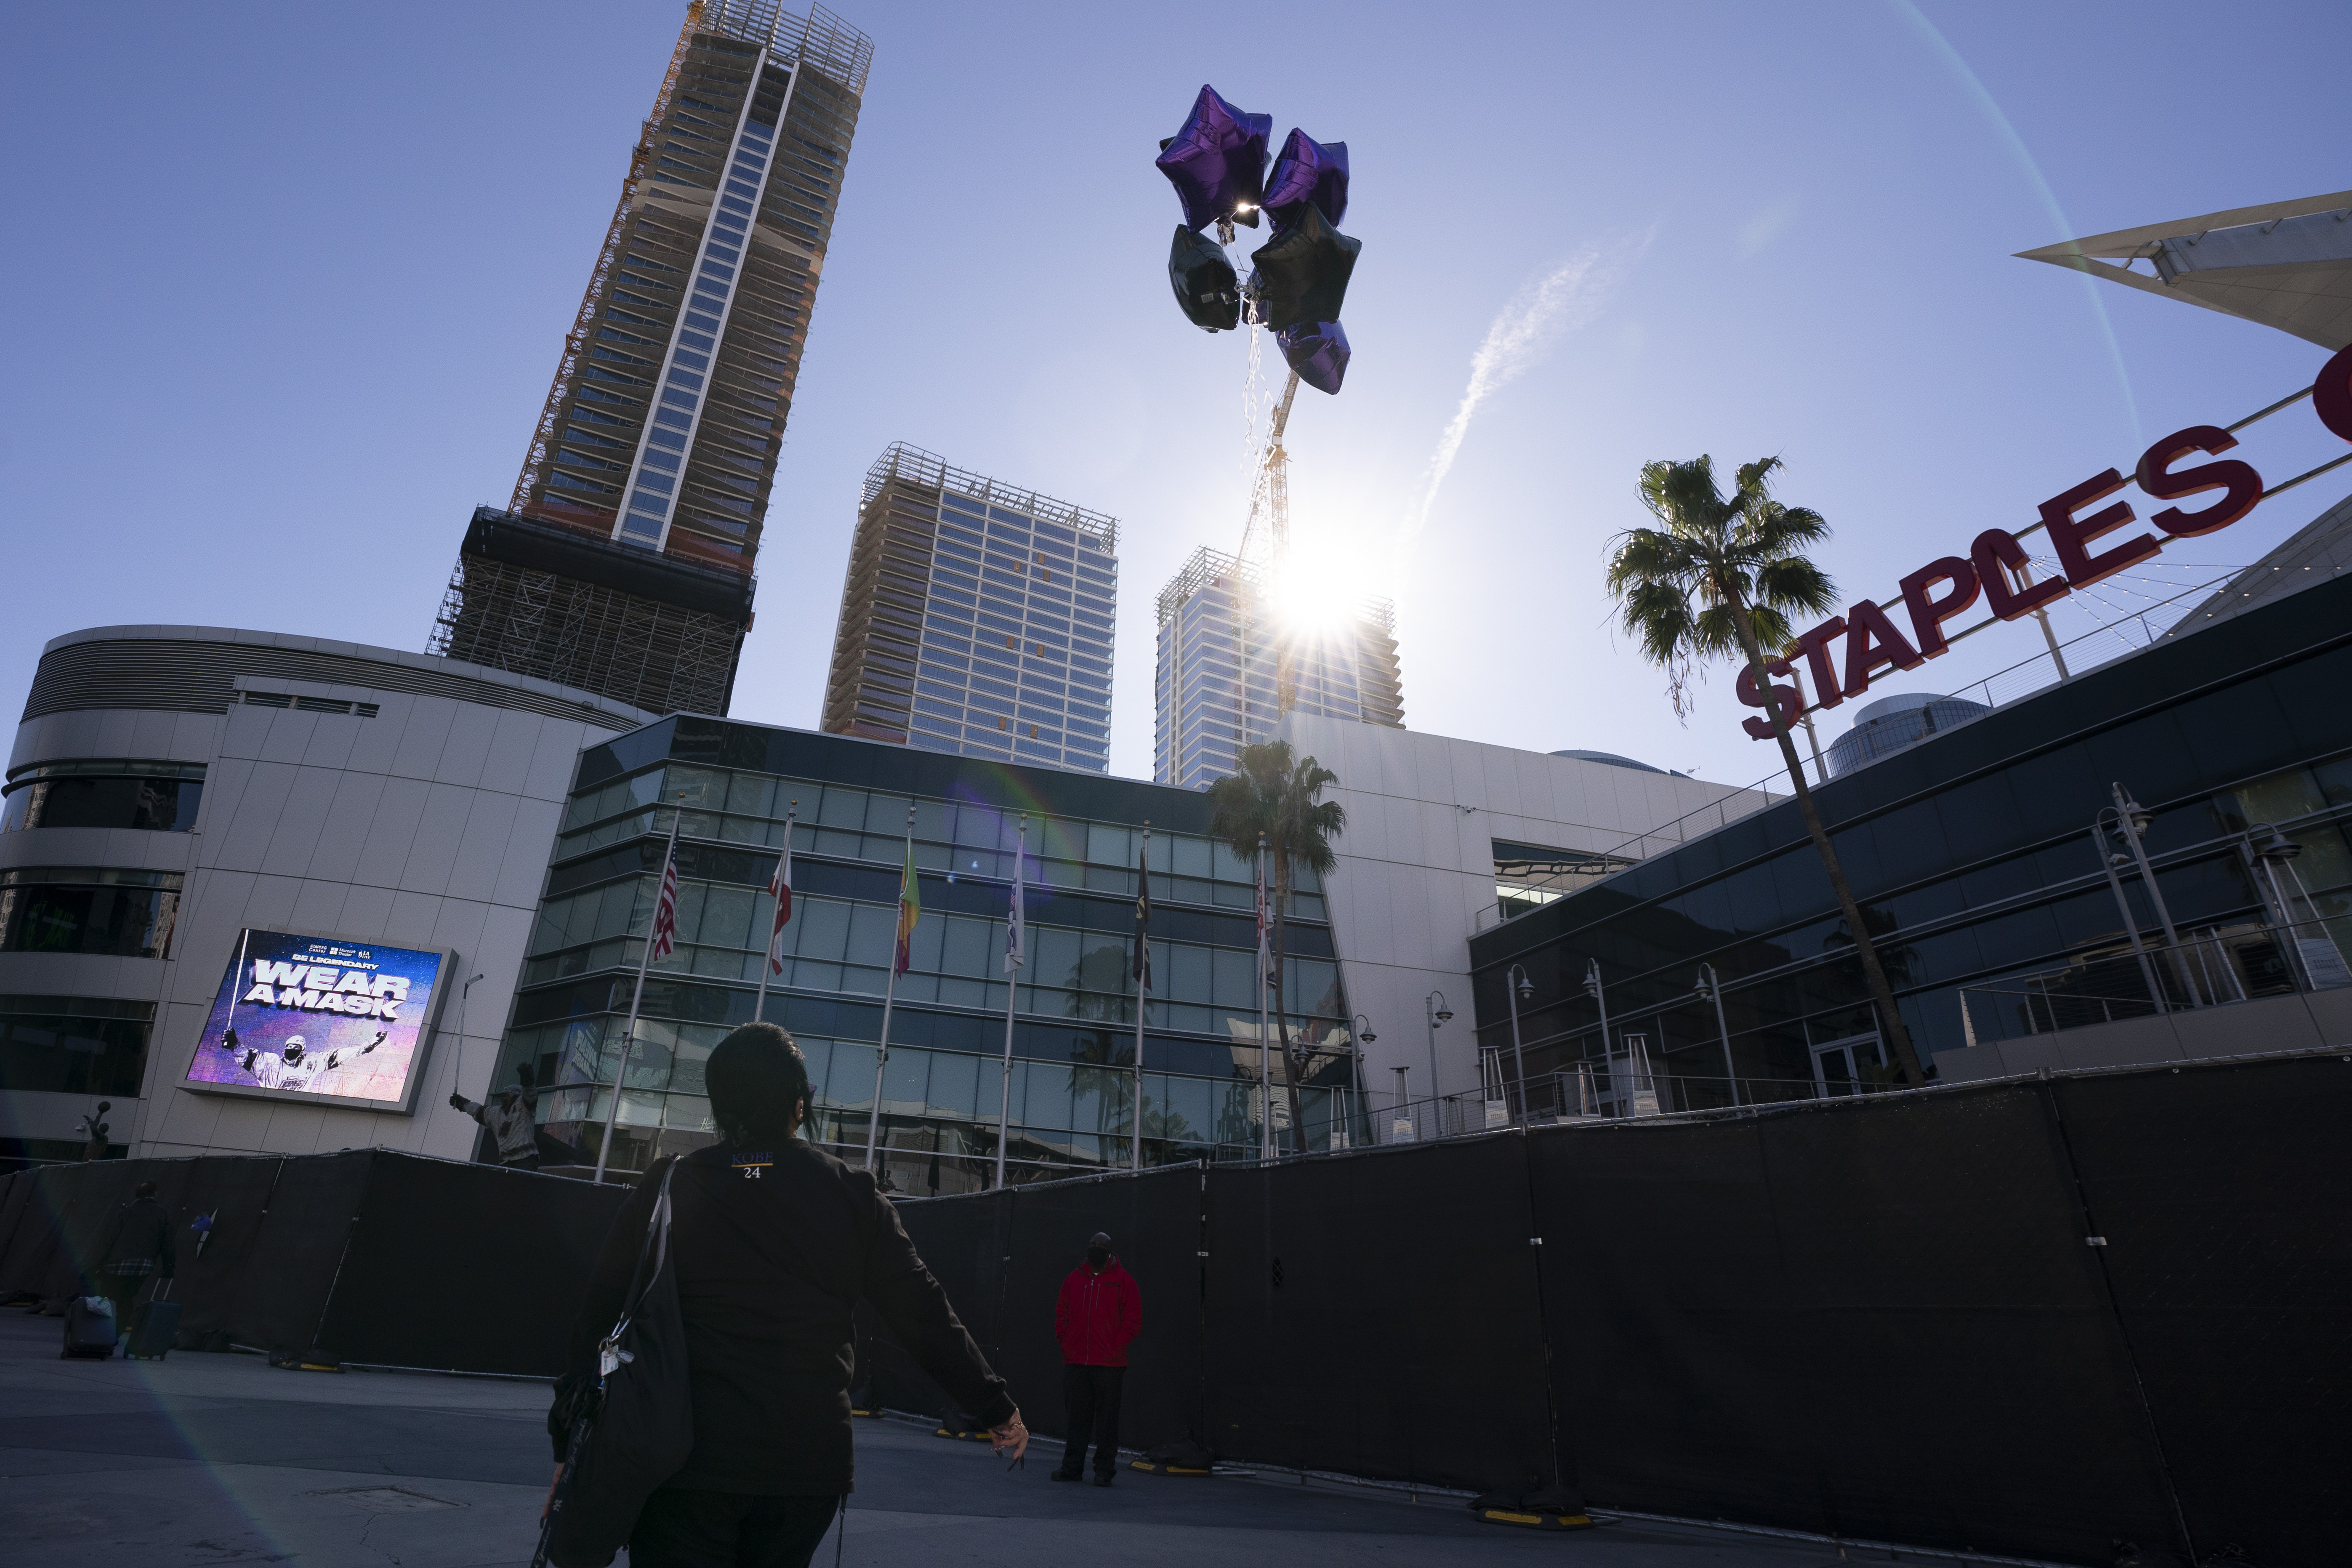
[(1570, 296)]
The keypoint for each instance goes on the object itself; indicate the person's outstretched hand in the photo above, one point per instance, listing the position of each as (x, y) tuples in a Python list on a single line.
[(1013, 1435), (457, 1102)]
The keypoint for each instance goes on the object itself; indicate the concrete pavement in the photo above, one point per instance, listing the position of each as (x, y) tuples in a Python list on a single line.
[(221, 1459)]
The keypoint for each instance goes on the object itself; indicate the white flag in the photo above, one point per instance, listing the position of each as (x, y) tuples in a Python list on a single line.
[(780, 888), (1016, 930)]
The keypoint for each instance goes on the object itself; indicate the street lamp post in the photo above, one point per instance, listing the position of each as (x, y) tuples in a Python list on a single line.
[(2108, 858), (1434, 1010), (1592, 988), (1364, 1036), (1712, 990), (2132, 818), (1518, 987)]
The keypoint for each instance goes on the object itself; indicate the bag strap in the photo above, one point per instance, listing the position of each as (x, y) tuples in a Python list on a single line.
[(651, 1256)]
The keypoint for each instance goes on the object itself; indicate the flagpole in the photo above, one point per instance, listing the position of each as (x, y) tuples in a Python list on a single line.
[(1265, 1050), (1142, 978), (890, 995), (768, 959), (629, 1034), (1016, 955)]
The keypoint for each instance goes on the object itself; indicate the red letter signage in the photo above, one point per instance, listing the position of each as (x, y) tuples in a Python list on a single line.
[(2331, 395), (2244, 486), (1998, 570), (1929, 614), (1871, 640), (1995, 549), (2073, 536), (1827, 690), (1791, 709)]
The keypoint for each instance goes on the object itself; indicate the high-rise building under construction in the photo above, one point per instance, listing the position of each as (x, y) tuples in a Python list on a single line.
[(623, 563), (1229, 667), (976, 618)]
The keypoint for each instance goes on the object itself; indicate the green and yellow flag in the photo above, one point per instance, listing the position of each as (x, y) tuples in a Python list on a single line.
[(910, 905)]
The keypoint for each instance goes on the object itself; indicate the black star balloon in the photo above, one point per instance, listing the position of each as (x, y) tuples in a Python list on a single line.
[(1302, 272)]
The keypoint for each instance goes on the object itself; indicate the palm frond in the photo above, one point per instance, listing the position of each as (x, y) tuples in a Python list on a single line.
[(1794, 583)]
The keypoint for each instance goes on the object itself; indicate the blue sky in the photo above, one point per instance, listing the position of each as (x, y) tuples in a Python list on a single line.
[(288, 285)]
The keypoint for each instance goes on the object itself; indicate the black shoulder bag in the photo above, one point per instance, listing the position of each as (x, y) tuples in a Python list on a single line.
[(633, 1428)]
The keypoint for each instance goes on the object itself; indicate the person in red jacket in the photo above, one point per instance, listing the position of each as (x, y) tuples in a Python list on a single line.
[(1096, 1318)]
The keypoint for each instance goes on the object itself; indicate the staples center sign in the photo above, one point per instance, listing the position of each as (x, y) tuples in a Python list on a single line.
[(1992, 568)]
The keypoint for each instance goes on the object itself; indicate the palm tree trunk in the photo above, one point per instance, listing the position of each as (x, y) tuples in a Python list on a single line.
[(1890, 1019), (1282, 1010)]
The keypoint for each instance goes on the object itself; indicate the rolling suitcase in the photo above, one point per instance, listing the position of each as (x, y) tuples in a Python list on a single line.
[(154, 1326), (90, 1328)]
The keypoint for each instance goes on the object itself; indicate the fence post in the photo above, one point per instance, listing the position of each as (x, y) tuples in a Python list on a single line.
[(2046, 1088)]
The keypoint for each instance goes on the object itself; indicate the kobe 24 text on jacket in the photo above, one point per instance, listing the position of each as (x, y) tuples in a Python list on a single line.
[(1098, 1315)]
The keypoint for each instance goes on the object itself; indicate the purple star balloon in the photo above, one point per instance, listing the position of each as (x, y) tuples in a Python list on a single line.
[(1310, 171), (1217, 162), (1317, 351)]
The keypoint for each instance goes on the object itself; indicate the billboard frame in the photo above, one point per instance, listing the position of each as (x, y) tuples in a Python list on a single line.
[(427, 1032)]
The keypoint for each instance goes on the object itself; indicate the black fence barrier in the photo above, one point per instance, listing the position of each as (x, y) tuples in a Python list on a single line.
[(2027, 1319), (1376, 1313), (2224, 1196), (287, 1278), (469, 1268), (1001, 1257), (369, 1256), (1155, 1225), (1870, 1320)]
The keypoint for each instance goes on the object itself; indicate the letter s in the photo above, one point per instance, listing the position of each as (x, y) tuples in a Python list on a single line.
[(2244, 487), (2331, 395), (1790, 708)]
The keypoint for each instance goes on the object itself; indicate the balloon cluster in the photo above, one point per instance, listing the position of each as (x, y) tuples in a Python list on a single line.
[(1298, 278)]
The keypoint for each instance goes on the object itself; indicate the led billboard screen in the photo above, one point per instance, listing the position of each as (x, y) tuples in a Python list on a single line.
[(322, 1019)]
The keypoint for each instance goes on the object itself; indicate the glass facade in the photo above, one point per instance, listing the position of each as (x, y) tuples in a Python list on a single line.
[(1978, 860), (160, 797), (88, 909), (73, 1045), (1223, 662), (977, 619), (1074, 1035)]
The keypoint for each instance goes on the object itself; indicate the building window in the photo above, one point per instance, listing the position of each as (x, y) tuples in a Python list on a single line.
[(160, 797), (73, 1045), (55, 908)]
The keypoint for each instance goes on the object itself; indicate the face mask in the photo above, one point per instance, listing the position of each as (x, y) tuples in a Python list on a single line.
[(1098, 1255)]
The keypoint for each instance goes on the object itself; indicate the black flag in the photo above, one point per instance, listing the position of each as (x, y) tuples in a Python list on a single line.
[(1141, 971)]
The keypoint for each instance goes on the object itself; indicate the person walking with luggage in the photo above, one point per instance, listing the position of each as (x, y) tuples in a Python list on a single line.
[(772, 1243), (1096, 1317), (509, 1120), (138, 1247)]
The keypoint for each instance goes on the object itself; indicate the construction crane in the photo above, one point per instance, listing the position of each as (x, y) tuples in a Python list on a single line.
[(1265, 554)]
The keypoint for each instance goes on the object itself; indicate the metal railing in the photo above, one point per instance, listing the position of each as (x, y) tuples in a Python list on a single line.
[(1585, 1092), (2100, 646), (2210, 969)]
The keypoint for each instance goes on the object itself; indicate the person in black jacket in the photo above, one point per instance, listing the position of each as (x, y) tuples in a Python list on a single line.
[(774, 1242), (139, 1245)]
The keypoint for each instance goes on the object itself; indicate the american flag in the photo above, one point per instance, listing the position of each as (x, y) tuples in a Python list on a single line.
[(665, 909), (780, 888)]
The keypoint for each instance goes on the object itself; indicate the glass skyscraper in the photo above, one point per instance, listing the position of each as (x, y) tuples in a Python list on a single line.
[(1224, 659), (647, 481), (1073, 1081), (976, 618)]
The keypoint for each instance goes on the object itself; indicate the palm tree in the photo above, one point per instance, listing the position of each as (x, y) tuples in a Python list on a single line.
[(1719, 578), (1274, 800)]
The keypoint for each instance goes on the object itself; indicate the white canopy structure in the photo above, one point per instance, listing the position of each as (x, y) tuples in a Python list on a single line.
[(2286, 264)]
